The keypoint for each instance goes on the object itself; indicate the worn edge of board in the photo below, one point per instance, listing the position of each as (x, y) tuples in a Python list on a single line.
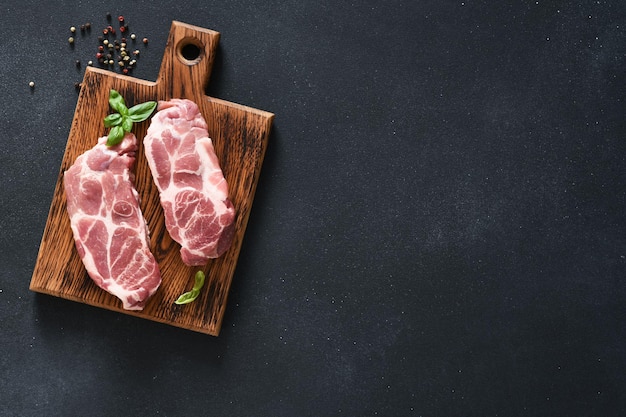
[(207, 320)]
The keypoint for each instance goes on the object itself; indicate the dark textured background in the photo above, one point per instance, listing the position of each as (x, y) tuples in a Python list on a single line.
[(439, 226)]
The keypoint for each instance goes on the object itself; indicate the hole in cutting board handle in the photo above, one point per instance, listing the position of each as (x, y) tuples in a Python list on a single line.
[(190, 51)]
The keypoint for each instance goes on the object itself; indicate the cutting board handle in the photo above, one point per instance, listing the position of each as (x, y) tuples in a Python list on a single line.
[(187, 62)]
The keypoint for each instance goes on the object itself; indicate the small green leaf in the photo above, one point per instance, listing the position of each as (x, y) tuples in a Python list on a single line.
[(117, 102), (189, 296), (142, 111), (127, 124), (198, 280), (111, 120), (115, 135)]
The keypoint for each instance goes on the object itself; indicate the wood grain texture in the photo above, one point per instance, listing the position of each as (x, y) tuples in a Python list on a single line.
[(240, 136)]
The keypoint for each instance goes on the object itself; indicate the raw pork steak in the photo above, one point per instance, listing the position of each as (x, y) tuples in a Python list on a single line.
[(193, 191), (110, 232)]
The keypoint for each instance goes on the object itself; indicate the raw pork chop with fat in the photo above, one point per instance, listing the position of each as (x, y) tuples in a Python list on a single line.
[(109, 229), (192, 187)]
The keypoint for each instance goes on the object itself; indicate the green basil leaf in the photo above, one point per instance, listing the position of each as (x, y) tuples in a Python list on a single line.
[(111, 120), (189, 296), (127, 124), (142, 111), (198, 280), (117, 102), (122, 121), (115, 135)]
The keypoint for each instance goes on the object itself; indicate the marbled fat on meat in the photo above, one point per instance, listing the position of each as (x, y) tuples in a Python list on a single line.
[(193, 190), (109, 229)]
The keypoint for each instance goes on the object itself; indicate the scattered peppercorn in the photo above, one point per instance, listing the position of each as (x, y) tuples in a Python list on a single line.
[(31, 84), (111, 52), (77, 85)]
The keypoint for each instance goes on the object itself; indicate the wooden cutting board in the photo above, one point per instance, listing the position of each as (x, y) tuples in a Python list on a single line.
[(240, 135)]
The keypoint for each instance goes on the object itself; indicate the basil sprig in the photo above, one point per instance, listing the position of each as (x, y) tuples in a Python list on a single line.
[(122, 121), (188, 297)]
